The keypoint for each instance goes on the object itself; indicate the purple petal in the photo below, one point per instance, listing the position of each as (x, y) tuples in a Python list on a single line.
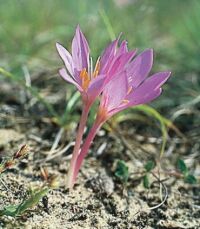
[(122, 49), (121, 62), (80, 50), (139, 68), (149, 90), (96, 87), (116, 91), (107, 56), (66, 57), (69, 79), (147, 98)]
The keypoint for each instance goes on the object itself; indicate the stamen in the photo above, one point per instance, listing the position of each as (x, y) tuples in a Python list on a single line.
[(97, 68), (85, 79), (83, 73), (91, 67), (85, 83)]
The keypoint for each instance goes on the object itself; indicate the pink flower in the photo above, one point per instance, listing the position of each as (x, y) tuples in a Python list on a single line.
[(79, 70), (120, 80), (130, 87), (114, 60)]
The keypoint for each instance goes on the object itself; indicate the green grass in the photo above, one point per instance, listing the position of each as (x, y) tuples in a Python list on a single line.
[(30, 29)]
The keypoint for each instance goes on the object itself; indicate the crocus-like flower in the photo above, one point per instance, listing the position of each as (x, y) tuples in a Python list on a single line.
[(130, 87), (79, 71)]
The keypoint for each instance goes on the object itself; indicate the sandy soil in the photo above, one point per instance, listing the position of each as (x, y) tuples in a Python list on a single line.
[(99, 199)]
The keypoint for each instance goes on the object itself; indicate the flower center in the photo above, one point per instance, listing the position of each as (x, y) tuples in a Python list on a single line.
[(86, 77)]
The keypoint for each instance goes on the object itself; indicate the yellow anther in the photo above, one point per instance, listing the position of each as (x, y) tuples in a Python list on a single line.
[(85, 83), (96, 69), (83, 73), (85, 79)]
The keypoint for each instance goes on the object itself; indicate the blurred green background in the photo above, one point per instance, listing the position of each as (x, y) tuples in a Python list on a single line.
[(29, 30)]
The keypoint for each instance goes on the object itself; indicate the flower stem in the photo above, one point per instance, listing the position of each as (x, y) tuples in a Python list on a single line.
[(84, 150), (76, 149)]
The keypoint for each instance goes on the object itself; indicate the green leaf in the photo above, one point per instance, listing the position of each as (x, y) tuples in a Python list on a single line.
[(182, 166), (151, 112), (190, 179), (15, 210), (9, 210), (107, 23), (32, 201), (146, 181), (122, 171), (150, 165)]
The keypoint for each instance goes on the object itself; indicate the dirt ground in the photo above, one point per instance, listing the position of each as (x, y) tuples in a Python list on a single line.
[(99, 199)]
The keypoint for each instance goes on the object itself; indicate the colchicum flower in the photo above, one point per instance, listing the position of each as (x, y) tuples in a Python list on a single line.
[(90, 83), (118, 77), (79, 69), (133, 87), (128, 88)]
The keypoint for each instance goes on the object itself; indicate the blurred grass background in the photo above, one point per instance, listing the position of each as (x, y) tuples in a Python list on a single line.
[(29, 30)]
